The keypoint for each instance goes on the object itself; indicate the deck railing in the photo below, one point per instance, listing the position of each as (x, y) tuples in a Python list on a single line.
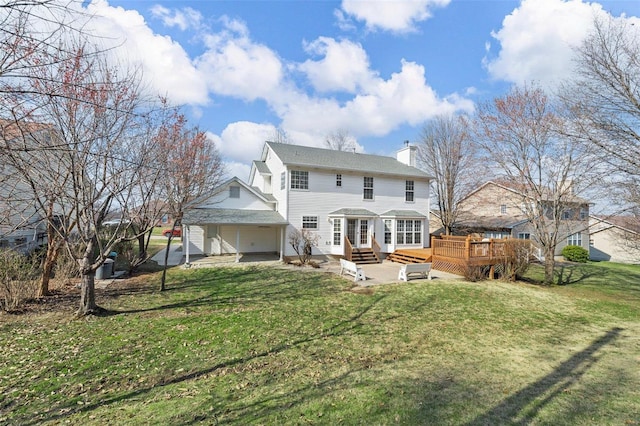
[(469, 249), (348, 249), (376, 247)]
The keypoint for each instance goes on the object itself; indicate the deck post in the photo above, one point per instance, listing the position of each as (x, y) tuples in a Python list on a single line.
[(467, 248)]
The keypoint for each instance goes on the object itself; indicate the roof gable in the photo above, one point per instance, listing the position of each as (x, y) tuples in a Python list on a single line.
[(216, 195)]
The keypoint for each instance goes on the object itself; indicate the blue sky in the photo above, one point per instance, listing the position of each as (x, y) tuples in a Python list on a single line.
[(375, 69)]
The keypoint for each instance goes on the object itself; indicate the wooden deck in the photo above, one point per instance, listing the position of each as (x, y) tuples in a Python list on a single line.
[(456, 254), (411, 256)]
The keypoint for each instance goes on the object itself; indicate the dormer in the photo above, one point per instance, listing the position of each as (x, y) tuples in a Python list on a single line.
[(260, 177)]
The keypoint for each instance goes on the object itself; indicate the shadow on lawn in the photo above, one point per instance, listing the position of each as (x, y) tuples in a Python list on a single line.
[(225, 287), (341, 328), (523, 406), (572, 274)]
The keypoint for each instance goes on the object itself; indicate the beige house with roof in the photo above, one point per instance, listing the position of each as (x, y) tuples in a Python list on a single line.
[(614, 239), (353, 202), (496, 210)]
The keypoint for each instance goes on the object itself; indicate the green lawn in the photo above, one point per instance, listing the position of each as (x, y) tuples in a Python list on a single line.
[(265, 346)]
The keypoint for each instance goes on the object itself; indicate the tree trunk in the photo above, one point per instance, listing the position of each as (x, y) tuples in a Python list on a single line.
[(87, 284), (549, 266), (48, 263), (176, 223), (87, 295)]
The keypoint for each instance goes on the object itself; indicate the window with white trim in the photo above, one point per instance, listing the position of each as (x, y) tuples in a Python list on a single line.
[(338, 179), (387, 231), (566, 214), (283, 180), (337, 232), (309, 222), (408, 231), (368, 188), (574, 239), (503, 209), (234, 192), (299, 179), (409, 191), (524, 235)]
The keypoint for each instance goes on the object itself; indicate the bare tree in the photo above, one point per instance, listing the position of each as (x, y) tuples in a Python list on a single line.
[(522, 134), (447, 152), (95, 159), (340, 140), (192, 165), (280, 136), (605, 100)]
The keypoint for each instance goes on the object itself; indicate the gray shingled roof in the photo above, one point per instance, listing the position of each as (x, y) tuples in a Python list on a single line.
[(402, 213), (304, 156), (232, 217), (352, 212), (261, 167)]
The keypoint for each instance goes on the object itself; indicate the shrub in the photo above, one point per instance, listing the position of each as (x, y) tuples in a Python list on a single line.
[(18, 279), (575, 254), (517, 258), (476, 273)]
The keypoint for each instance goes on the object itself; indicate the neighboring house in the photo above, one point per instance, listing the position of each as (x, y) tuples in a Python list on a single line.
[(22, 226), (346, 198), (614, 238), (496, 210)]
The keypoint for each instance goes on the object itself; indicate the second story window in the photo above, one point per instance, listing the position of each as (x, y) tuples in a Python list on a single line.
[(408, 191), (299, 179), (283, 180), (566, 215), (503, 209), (368, 188), (338, 179), (584, 213), (309, 222), (234, 192)]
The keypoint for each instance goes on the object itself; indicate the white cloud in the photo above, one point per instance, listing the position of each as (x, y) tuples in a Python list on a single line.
[(537, 40), (394, 16), (243, 140), (345, 65), (377, 109), (240, 170), (183, 18), (236, 66), (166, 67)]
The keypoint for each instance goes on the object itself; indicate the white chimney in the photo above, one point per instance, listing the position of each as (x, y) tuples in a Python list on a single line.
[(407, 155)]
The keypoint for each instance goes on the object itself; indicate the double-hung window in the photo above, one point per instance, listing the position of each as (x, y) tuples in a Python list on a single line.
[(368, 188), (338, 180), (337, 232), (299, 179), (283, 181), (409, 191), (387, 231)]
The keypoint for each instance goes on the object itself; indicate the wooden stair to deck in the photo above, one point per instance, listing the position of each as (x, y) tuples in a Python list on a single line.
[(364, 255), (411, 256)]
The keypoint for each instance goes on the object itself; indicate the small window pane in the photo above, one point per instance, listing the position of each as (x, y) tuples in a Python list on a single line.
[(310, 222)]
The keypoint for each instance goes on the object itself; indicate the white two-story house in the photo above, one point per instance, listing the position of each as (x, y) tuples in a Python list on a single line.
[(349, 200)]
